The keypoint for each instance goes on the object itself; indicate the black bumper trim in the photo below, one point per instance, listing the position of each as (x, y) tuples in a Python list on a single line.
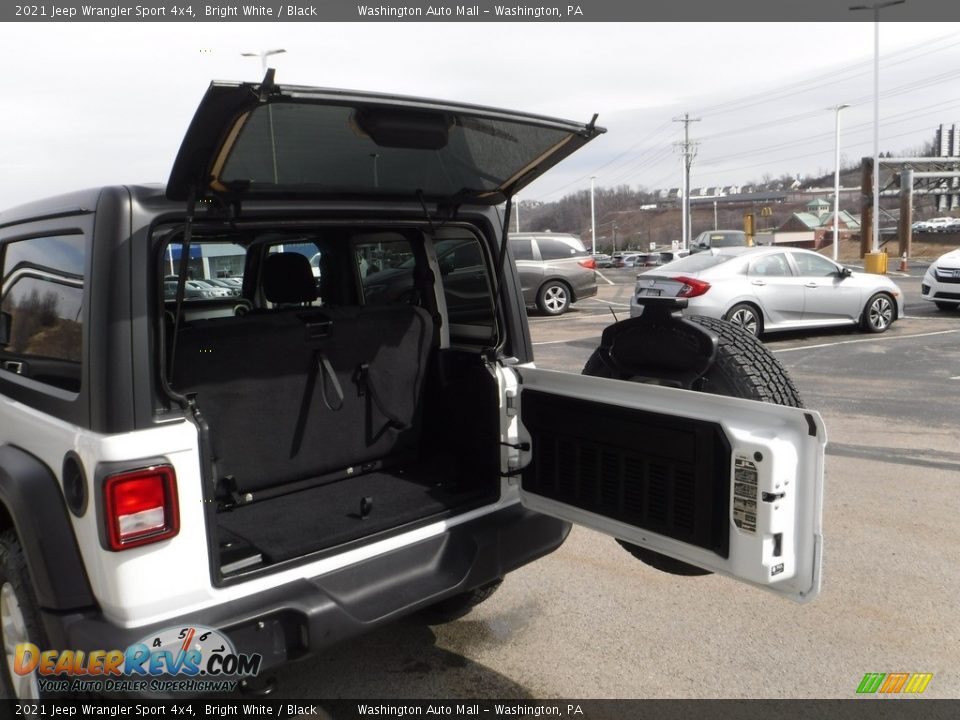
[(304, 616)]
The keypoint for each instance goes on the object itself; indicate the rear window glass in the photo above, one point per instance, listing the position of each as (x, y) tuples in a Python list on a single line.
[(700, 261), (724, 239), (554, 249), (522, 248), (331, 149)]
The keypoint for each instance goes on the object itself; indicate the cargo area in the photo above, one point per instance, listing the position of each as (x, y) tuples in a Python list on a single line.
[(328, 423)]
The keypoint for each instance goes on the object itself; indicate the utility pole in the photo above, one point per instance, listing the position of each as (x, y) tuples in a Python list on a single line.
[(593, 219), (876, 7), (689, 150)]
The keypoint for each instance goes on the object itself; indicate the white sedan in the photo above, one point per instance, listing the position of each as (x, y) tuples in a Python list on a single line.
[(941, 282), (770, 289)]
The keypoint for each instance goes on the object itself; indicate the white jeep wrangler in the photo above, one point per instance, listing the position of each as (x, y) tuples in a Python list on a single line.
[(360, 433)]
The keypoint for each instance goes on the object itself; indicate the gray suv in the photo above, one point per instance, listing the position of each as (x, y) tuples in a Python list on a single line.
[(555, 270)]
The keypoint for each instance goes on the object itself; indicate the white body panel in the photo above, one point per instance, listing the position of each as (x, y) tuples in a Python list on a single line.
[(172, 577)]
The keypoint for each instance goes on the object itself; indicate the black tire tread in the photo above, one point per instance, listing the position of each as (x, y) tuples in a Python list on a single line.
[(747, 367), (13, 569)]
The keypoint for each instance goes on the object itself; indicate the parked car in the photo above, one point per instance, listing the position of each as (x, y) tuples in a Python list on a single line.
[(767, 289), (667, 256), (555, 270), (630, 259), (232, 289), (603, 261), (242, 490), (941, 281), (191, 290), (936, 225), (718, 239)]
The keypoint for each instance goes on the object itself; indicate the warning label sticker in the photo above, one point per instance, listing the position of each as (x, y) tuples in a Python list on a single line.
[(745, 478)]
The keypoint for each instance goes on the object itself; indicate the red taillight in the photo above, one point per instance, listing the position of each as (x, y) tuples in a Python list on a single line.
[(140, 507), (588, 263), (691, 287)]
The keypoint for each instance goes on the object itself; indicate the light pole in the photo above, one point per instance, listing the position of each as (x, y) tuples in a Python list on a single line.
[(263, 55), (876, 7), (516, 206), (593, 218), (836, 183)]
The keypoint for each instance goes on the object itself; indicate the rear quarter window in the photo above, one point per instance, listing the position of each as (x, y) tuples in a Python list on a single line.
[(554, 249)]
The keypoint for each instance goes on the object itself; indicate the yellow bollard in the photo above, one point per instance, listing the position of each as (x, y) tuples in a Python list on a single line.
[(875, 263)]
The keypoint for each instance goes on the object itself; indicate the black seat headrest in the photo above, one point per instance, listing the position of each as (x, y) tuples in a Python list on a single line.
[(288, 278)]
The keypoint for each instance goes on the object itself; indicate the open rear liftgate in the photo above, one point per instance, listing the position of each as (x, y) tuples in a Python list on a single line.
[(730, 485)]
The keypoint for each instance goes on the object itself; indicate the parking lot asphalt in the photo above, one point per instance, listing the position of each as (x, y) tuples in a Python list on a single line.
[(589, 621)]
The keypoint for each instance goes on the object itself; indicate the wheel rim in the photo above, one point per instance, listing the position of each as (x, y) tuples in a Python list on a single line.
[(881, 313), (745, 318), (555, 298), (14, 629)]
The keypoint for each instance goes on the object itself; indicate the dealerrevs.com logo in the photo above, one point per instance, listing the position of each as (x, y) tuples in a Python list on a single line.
[(177, 659)]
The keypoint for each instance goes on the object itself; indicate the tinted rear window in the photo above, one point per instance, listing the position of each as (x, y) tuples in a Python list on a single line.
[(728, 239), (553, 249), (326, 149), (698, 262)]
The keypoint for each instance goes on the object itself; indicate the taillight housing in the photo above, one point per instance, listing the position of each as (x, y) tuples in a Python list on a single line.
[(140, 507), (691, 287), (588, 263)]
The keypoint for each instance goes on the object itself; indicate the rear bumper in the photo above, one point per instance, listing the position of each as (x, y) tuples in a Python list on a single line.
[(303, 617), (586, 291)]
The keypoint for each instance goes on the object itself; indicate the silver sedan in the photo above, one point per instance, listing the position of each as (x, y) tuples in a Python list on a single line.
[(769, 289)]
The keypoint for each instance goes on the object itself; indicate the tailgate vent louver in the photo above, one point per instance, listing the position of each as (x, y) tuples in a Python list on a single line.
[(664, 474)]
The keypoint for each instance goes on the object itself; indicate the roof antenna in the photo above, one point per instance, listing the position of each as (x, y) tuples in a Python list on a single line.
[(267, 85), (614, 313)]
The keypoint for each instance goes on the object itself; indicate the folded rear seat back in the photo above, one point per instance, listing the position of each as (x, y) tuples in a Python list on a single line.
[(276, 416)]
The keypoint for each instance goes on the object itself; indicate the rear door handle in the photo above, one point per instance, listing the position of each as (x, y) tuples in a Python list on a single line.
[(757, 282), (811, 285)]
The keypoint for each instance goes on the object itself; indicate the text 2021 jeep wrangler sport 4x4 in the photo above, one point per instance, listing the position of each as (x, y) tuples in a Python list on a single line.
[(360, 433)]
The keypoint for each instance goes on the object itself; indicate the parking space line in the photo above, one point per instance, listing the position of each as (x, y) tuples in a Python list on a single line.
[(604, 278), (864, 340), (552, 342), (609, 302)]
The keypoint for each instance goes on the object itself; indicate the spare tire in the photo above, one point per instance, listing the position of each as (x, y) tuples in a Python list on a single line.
[(744, 367)]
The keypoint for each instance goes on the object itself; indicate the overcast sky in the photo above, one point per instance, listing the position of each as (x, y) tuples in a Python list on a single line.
[(90, 104)]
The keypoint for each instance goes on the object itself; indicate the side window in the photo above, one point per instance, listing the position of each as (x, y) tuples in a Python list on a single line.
[(770, 266), (522, 248), (385, 267), (812, 265), (42, 305), (553, 249), (466, 289), (214, 271)]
